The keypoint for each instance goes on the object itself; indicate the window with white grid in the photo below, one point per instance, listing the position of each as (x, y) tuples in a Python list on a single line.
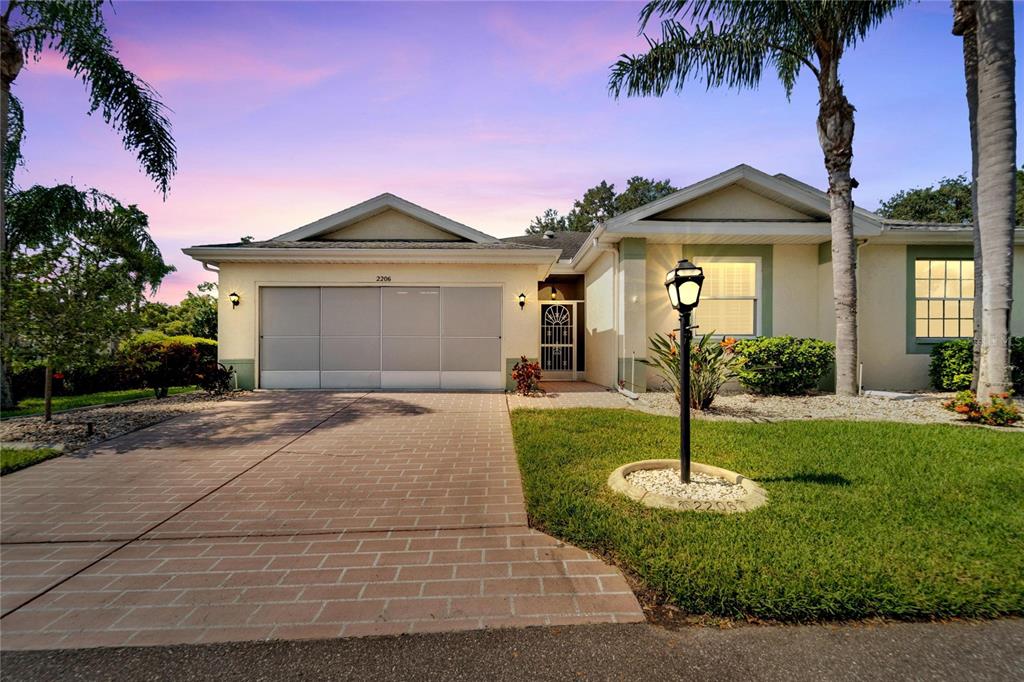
[(943, 298), (730, 300)]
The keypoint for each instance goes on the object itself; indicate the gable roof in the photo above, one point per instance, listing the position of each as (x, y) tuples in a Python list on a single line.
[(568, 242), (379, 204)]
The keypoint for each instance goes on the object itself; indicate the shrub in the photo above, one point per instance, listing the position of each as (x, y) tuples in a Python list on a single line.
[(999, 412), (711, 365), (215, 378), (952, 362), (526, 374), (160, 361), (783, 365)]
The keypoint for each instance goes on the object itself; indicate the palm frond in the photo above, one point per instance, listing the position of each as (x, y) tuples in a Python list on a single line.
[(12, 145), (127, 103)]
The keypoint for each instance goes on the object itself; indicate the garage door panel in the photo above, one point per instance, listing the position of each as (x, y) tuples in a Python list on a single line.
[(471, 311), (411, 311), (280, 379), (350, 353), (471, 355), (350, 311), (290, 311), (407, 354), (335, 379), (290, 353)]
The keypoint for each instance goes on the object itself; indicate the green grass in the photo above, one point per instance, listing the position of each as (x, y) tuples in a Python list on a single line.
[(12, 460), (31, 406), (863, 519)]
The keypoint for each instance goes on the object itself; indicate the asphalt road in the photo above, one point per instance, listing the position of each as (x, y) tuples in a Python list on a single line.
[(992, 650)]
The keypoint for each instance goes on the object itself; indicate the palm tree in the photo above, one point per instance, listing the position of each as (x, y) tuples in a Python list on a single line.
[(965, 24), (996, 149), (730, 44), (76, 30)]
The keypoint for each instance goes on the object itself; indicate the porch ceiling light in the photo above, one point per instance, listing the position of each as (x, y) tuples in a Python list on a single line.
[(554, 294), (235, 299), (522, 301), (683, 283)]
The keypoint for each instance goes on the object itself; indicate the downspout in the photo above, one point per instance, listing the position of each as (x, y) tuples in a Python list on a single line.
[(860, 362), (209, 268)]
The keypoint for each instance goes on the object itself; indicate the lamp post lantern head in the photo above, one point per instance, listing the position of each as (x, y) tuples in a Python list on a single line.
[(683, 283)]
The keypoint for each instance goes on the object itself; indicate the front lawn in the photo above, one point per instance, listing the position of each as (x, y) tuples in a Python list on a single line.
[(31, 406), (863, 519), (12, 460)]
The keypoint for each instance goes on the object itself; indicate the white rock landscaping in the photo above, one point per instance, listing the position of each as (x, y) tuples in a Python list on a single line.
[(655, 483), (700, 487)]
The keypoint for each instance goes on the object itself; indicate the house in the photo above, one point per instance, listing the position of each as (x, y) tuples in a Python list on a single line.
[(387, 294)]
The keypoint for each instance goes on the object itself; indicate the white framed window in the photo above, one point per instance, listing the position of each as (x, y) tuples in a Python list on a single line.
[(943, 298), (730, 300)]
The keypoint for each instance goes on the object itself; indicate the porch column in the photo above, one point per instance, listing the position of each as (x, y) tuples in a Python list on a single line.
[(632, 322)]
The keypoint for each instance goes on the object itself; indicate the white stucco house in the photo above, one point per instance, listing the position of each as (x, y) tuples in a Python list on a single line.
[(387, 294)]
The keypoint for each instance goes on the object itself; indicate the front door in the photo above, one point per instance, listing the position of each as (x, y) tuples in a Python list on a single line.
[(558, 341)]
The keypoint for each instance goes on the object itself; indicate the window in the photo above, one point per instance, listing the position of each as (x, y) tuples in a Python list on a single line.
[(943, 298), (730, 302)]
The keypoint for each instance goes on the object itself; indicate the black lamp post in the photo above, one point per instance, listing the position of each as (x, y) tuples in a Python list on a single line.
[(683, 283)]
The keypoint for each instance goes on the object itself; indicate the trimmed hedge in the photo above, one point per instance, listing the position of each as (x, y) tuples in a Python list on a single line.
[(952, 362), (160, 361), (783, 365)]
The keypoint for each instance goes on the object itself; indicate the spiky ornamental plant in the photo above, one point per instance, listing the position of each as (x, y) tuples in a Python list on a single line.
[(731, 44)]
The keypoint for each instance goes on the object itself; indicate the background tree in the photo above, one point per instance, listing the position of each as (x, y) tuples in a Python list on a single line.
[(996, 149), (730, 43), (75, 29), (195, 315), (601, 202), (947, 202), (77, 268)]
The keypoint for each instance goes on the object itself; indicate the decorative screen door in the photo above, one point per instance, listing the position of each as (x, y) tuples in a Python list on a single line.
[(558, 340)]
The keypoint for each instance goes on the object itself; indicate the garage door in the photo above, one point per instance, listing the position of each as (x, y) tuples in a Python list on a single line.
[(370, 337)]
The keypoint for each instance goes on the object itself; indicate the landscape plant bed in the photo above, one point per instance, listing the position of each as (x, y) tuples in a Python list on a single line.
[(28, 407), (866, 520)]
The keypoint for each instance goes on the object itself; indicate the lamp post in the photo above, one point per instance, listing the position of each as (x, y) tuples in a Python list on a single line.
[(683, 283)]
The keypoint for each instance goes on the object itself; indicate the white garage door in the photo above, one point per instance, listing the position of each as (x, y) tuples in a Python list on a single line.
[(371, 337)]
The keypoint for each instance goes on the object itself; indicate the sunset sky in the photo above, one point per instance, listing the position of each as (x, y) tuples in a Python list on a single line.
[(485, 112)]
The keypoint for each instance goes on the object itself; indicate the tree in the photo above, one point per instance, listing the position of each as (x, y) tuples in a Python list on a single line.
[(549, 222), (76, 272), (75, 29), (996, 178), (948, 202), (196, 315), (640, 190), (730, 43), (601, 202)]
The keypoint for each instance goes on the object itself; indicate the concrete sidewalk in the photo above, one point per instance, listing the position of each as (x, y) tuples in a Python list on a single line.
[(920, 651)]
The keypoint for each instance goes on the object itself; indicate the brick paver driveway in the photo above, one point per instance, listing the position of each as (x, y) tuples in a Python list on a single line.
[(290, 515)]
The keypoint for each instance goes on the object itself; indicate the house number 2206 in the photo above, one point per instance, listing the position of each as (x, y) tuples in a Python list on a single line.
[(383, 278)]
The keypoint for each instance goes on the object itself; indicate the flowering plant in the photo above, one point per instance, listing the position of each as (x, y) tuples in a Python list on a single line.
[(711, 365), (526, 374), (999, 412)]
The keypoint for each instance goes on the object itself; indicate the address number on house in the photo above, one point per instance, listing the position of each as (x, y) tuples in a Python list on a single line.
[(383, 278)]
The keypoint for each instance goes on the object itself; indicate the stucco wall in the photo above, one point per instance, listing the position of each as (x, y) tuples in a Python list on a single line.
[(238, 327), (732, 202), (601, 354), (795, 290), (882, 285), (390, 224)]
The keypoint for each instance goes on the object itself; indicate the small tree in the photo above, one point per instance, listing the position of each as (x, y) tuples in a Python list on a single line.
[(75, 279)]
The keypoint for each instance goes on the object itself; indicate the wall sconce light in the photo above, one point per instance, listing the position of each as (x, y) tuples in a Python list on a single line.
[(554, 294), (522, 301), (235, 299)]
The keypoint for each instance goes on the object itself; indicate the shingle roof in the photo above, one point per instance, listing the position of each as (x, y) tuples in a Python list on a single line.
[(916, 226), (568, 242), (375, 244)]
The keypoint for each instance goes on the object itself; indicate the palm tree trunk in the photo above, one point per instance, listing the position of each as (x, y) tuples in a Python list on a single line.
[(997, 143), (835, 133), (965, 24), (11, 61), (48, 394)]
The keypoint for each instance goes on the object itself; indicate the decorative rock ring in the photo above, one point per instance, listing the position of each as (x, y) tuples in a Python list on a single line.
[(754, 495)]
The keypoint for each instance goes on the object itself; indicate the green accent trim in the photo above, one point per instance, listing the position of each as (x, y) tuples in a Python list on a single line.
[(639, 373), (762, 251), (245, 371), (825, 252), (510, 385), (632, 248), (915, 253)]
